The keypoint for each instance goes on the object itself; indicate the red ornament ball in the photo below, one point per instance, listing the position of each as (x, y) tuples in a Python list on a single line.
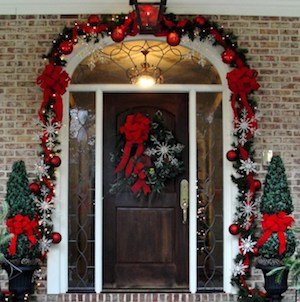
[(228, 56), (34, 188), (93, 20), (66, 47), (173, 38), (234, 229), (55, 161), (56, 237), (257, 184), (118, 34), (231, 155), (200, 20)]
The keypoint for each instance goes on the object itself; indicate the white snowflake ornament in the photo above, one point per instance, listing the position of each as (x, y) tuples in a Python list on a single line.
[(239, 269), (247, 245), (248, 166)]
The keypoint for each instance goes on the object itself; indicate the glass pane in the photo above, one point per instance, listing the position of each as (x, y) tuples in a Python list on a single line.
[(81, 191), (112, 64), (210, 191)]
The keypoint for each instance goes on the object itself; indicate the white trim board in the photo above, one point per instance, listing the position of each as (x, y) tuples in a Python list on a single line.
[(287, 8)]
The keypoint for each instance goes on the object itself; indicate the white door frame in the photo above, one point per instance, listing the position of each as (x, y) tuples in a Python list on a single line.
[(57, 268)]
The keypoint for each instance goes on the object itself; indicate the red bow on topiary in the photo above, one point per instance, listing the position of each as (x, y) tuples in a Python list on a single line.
[(276, 223), (21, 225)]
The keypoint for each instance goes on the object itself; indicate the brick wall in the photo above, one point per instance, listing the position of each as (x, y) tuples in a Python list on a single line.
[(274, 50)]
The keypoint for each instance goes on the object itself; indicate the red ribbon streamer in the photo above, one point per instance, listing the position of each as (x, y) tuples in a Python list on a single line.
[(136, 130), (242, 81), (54, 80), (275, 223), (141, 182), (21, 225)]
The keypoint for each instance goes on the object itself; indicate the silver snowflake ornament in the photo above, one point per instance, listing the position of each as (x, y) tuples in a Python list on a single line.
[(248, 166), (239, 269), (45, 244), (41, 169), (247, 245)]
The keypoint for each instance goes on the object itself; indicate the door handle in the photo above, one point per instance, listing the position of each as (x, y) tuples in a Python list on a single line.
[(184, 199)]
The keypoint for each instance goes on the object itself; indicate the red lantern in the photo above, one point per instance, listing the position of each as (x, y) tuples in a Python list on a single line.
[(118, 34), (234, 229), (56, 237), (173, 38), (231, 155), (66, 47), (257, 184), (93, 20), (55, 161), (34, 188), (228, 56)]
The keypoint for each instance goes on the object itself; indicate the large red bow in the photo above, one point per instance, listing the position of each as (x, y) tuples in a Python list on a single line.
[(21, 225), (136, 130), (242, 81), (276, 223), (54, 80)]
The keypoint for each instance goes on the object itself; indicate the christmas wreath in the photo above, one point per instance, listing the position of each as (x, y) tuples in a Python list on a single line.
[(147, 156)]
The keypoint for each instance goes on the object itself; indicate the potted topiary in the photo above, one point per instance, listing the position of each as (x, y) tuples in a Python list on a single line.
[(278, 241), (21, 253)]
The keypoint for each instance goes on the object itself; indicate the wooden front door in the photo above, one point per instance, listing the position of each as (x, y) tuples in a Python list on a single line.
[(145, 244)]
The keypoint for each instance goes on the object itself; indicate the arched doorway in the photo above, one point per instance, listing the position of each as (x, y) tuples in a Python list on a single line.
[(205, 267)]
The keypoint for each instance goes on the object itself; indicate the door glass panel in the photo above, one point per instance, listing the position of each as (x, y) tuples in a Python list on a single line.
[(111, 64), (210, 191), (81, 192)]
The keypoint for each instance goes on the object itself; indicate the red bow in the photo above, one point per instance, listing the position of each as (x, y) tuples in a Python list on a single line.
[(21, 225), (136, 130), (276, 223), (54, 80), (141, 182), (242, 81)]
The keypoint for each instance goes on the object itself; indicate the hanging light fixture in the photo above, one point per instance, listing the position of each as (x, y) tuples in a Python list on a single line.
[(146, 75), (148, 14)]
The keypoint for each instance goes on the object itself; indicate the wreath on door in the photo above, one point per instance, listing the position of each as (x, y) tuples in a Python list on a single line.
[(147, 156)]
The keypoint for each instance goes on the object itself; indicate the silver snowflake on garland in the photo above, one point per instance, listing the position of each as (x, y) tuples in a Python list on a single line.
[(45, 244), (43, 205), (248, 210), (164, 151), (244, 125), (239, 269), (41, 169), (248, 166), (51, 129), (247, 245), (248, 207)]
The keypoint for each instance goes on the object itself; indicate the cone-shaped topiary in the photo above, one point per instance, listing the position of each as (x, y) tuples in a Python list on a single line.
[(278, 240), (21, 218)]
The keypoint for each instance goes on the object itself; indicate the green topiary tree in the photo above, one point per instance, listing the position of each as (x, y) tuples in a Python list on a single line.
[(278, 240), (21, 220)]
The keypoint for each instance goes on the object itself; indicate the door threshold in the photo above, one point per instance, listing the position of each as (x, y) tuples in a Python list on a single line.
[(143, 290)]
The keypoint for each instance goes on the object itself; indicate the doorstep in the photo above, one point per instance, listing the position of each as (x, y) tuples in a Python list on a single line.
[(140, 297)]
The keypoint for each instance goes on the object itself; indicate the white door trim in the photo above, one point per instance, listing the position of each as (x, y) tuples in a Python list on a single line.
[(57, 272)]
